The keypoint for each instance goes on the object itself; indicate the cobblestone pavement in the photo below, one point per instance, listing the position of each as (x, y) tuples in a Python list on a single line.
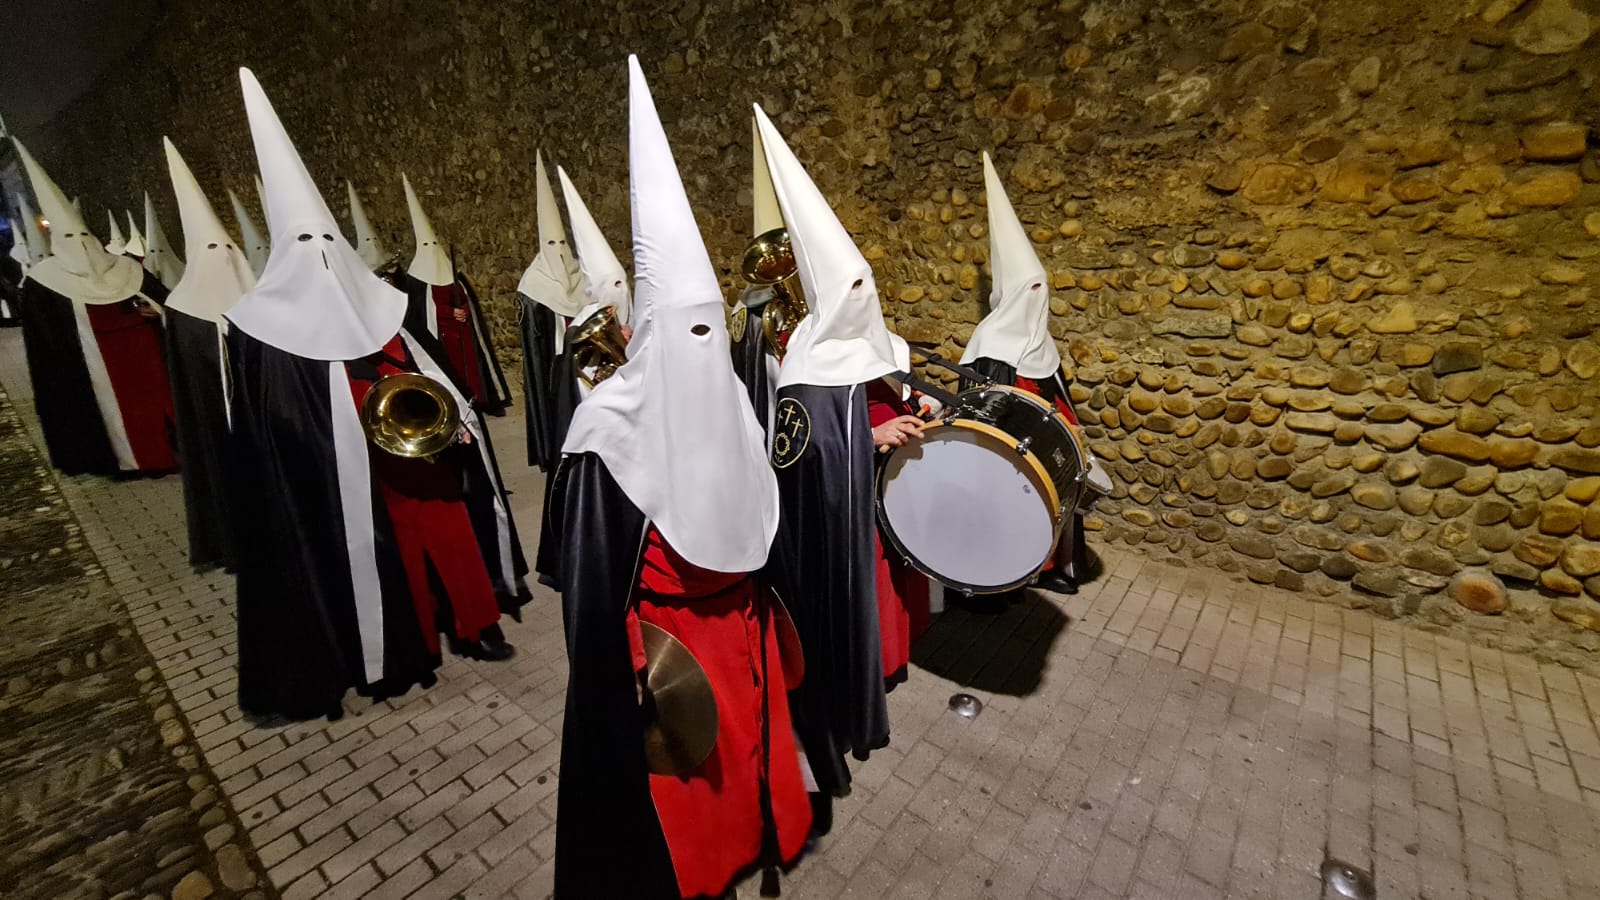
[(1166, 732), (103, 790)]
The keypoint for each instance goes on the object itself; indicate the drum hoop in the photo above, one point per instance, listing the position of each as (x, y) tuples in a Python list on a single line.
[(1036, 473)]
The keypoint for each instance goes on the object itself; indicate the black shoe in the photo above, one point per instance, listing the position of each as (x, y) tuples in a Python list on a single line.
[(484, 649), (1056, 583)]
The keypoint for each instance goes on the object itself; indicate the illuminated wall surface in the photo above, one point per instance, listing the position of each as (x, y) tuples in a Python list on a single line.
[(1325, 274)]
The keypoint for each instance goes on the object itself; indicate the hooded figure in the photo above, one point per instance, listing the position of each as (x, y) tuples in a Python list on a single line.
[(217, 275), (117, 243), (833, 408), (93, 339), (160, 259), (36, 244), (350, 560), (670, 489), (134, 246), (255, 246), (368, 245), (442, 303), (550, 297), (1013, 345), (755, 362)]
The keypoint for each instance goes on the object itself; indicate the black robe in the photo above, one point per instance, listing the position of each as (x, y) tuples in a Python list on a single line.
[(419, 321), (565, 397), (1053, 389), (750, 357), (195, 368), (299, 645), (10, 288), (608, 838), (825, 567), (538, 326), (75, 435)]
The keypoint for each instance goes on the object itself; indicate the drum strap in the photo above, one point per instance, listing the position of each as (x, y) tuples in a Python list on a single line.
[(972, 375)]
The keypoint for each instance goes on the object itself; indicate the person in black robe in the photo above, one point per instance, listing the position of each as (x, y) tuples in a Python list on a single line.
[(350, 559), (217, 275), (1013, 346), (91, 331), (823, 443), (442, 303), (550, 295), (667, 530)]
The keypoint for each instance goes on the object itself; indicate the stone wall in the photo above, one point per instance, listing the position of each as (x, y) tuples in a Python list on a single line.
[(1323, 272)]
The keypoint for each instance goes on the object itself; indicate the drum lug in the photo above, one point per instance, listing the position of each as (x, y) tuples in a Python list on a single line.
[(1023, 445)]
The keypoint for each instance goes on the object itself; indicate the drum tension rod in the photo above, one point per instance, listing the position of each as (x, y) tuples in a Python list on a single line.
[(1023, 445)]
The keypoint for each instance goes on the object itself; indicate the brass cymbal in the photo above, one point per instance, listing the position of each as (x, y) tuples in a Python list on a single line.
[(683, 731), (791, 656)]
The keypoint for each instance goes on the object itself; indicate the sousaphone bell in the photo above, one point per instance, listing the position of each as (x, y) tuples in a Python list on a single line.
[(769, 260), (682, 728), (410, 415), (598, 345)]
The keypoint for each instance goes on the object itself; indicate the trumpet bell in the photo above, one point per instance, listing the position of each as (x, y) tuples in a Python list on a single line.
[(770, 258), (598, 344), (410, 415)]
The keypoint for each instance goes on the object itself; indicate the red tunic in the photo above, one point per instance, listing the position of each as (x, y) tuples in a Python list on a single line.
[(432, 532), (712, 817), (902, 591), (130, 344), (459, 340)]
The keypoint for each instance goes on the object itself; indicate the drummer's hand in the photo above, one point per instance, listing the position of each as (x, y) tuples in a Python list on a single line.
[(896, 433)]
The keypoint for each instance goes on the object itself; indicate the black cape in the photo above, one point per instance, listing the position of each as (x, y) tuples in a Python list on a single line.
[(565, 397), (419, 315), (826, 570), (195, 368), (538, 326), (608, 838), (75, 435), (750, 363)]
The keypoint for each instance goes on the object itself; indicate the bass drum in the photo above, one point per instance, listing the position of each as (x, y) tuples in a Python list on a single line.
[(977, 504)]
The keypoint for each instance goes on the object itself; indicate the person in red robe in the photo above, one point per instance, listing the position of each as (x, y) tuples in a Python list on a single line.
[(665, 527), (91, 330)]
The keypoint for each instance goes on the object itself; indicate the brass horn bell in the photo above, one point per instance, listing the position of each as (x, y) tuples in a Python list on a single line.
[(769, 260), (410, 415), (598, 344), (683, 731)]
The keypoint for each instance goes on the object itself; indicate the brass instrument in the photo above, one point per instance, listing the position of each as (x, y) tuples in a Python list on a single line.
[(597, 343), (769, 260), (410, 415)]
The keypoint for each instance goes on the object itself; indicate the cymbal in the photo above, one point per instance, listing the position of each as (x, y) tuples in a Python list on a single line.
[(791, 656), (683, 731)]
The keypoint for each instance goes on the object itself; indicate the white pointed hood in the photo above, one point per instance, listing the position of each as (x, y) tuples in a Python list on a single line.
[(367, 243), (78, 266), (255, 246), (38, 246), (218, 273), (844, 340), (674, 425), (550, 280), (766, 213), (605, 282), (160, 259), (134, 246), (430, 264), (1017, 329), (316, 298), (117, 242)]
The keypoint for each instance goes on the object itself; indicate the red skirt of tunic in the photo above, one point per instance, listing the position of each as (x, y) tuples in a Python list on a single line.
[(902, 591), (459, 340), (130, 344), (431, 531), (712, 817)]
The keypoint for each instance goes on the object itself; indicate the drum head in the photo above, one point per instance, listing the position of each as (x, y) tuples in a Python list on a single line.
[(966, 509)]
